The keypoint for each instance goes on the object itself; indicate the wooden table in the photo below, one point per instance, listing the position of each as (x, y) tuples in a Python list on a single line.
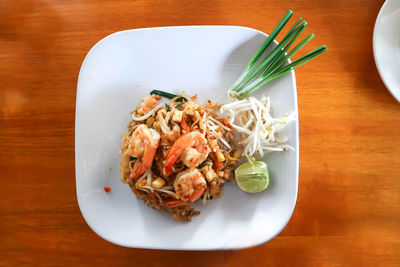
[(348, 209)]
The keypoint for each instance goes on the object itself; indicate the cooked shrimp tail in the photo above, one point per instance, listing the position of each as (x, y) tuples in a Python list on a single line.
[(143, 145)]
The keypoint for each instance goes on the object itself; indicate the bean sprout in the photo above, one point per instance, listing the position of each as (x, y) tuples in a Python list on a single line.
[(252, 119)]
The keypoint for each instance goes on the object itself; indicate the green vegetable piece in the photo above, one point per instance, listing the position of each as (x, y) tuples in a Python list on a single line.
[(162, 93), (262, 70), (201, 165), (180, 99), (132, 158), (167, 95)]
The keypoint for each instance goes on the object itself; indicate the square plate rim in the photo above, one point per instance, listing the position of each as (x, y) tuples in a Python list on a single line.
[(293, 79)]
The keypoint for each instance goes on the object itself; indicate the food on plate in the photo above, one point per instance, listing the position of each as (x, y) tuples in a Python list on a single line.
[(251, 119), (176, 153)]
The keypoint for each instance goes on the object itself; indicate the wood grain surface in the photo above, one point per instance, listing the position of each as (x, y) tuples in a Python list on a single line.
[(348, 209)]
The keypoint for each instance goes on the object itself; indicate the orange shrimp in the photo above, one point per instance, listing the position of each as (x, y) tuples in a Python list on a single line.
[(191, 148), (189, 185), (148, 103), (143, 145)]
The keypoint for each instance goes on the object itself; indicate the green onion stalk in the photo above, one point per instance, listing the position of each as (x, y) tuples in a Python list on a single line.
[(259, 72)]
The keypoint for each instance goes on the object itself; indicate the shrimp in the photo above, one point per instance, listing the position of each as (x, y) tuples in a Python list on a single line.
[(189, 185), (191, 148), (147, 104), (143, 145)]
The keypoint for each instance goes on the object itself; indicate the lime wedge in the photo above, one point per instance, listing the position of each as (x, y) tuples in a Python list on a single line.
[(252, 178)]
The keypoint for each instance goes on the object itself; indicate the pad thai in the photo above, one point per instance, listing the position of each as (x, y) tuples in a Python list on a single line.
[(176, 153)]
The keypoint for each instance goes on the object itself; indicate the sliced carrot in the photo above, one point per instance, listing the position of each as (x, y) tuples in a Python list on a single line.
[(227, 123), (184, 125), (219, 165), (193, 97)]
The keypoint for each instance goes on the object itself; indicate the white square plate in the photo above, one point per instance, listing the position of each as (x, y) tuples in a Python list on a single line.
[(205, 60)]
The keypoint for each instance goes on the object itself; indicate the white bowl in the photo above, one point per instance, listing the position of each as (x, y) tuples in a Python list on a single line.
[(205, 60), (386, 45)]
